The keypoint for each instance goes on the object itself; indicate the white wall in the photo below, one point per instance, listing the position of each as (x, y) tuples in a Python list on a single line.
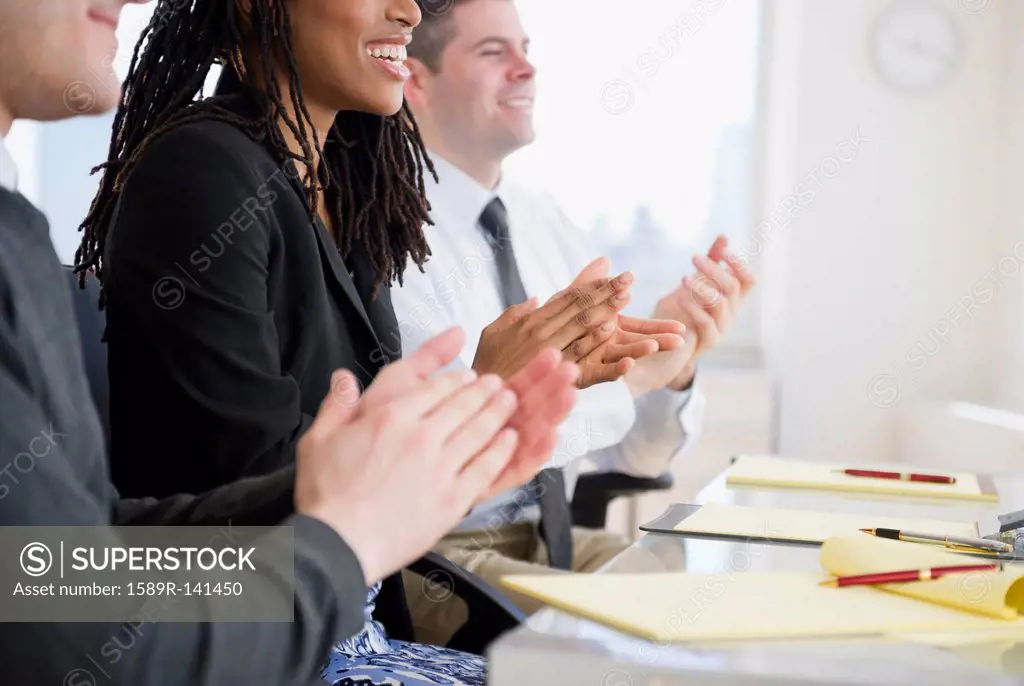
[(876, 264), (1012, 391), (961, 437)]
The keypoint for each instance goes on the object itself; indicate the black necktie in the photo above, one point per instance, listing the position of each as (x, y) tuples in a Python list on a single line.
[(494, 221), (548, 487)]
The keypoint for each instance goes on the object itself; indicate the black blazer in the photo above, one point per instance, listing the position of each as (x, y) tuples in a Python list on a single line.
[(227, 312)]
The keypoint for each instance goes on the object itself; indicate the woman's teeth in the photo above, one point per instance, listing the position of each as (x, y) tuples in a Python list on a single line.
[(389, 53)]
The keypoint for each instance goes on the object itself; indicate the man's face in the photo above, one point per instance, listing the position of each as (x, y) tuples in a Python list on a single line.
[(57, 56), (483, 95)]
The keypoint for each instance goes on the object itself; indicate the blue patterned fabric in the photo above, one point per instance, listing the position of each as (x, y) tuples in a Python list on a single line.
[(370, 658)]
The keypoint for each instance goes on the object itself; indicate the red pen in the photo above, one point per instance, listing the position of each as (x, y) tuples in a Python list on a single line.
[(907, 575), (901, 476)]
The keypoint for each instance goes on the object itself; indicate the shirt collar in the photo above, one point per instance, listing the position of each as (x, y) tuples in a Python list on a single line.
[(457, 197), (8, 170)]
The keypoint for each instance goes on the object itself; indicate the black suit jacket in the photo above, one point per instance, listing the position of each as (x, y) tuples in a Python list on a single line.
[(228, 309)]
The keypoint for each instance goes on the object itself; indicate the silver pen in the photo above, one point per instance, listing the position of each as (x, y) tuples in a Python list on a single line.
[(955, 542)]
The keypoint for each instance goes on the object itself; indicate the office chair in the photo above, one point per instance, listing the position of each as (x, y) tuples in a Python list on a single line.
[(595, 492), (490, 613)]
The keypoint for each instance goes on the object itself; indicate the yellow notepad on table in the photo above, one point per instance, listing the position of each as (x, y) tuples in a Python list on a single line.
[(685, 607), (757, 470), (805, 525)]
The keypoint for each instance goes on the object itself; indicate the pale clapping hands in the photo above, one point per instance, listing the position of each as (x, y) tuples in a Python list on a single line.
[(707, 303), (395, 468)]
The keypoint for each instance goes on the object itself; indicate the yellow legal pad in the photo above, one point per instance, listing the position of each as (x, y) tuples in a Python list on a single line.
[(688, 607), (805, 525), (758, 470)]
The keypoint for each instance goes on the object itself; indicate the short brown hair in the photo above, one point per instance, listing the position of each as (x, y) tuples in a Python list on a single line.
[(435, 32)]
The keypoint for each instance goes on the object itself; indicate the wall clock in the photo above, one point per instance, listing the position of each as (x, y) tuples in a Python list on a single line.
[(917, 46)]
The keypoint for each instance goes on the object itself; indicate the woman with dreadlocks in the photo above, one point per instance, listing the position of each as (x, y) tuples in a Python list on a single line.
[(245, 244)]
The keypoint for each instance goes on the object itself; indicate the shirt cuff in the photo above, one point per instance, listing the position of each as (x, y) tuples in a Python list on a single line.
[(681, 399), (603, 416), (673, 416)]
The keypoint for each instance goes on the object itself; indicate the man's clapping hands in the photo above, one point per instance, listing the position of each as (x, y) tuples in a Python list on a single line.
[(421, 447)]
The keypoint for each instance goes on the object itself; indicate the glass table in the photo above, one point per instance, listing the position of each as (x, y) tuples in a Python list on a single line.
[(553, 647)]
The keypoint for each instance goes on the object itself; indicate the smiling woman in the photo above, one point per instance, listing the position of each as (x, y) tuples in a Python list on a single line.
[(299, 186), (391, 54), (341, 36)]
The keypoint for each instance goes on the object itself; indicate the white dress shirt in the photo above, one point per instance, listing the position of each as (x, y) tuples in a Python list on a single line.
[(461, 286), (8, 171)]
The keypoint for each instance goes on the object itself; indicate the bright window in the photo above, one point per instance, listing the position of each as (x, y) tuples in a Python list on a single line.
[(646, 127)]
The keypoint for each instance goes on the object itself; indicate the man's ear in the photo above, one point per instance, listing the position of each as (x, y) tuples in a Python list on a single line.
[(417, 86)]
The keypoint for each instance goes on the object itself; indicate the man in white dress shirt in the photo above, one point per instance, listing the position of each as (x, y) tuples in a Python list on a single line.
[(472, 90)]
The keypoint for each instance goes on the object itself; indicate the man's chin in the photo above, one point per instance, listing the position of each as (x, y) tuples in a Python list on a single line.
[(518, 139), (88, 97)]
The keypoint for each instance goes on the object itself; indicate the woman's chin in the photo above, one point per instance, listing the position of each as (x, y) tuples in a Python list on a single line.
[(384, 104)]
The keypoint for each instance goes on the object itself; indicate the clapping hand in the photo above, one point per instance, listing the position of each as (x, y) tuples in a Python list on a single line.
[(421, 447), (707, 303), (575, 321), (632, 341), (544, 389)]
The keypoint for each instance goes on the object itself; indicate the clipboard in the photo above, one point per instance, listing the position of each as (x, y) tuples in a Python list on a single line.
[(675, 514), (665, 524)]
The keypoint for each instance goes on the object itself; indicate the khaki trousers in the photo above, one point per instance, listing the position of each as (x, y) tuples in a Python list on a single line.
[(492, 554)]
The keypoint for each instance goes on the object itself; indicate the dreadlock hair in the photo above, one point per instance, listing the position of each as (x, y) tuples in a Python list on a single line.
[(371, 166)]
